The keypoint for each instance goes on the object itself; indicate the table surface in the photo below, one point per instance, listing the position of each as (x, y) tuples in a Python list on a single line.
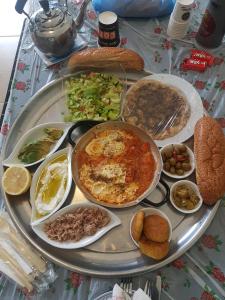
[(200, 273)]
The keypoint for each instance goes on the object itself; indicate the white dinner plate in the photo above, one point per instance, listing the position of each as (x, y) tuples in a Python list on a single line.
[(194, 101)]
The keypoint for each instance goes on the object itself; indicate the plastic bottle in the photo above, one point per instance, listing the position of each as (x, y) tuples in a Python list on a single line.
[(212, 28)]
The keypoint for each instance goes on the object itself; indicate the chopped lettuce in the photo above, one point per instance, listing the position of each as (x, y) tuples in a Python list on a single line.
[(94, 96)]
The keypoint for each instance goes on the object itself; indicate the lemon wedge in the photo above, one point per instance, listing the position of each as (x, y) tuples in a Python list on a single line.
[(16, 180)]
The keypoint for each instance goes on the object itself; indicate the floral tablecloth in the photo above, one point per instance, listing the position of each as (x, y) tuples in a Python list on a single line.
[(200, 273)]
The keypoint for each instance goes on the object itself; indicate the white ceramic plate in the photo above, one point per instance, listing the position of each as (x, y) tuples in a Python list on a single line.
[(38, 229), (35, 181), (192, 162), (194, 101), (32, 135), (152, 211), (194, 187)]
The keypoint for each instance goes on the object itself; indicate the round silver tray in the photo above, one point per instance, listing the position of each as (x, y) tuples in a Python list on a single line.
[(114, 254)]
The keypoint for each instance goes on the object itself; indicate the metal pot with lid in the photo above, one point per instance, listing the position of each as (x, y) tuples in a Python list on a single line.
[(53, 30)]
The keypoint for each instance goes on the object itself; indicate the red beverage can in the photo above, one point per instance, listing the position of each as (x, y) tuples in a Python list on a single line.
[(193, 65), (203, 56)]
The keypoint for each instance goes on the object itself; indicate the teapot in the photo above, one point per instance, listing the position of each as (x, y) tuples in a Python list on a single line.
[(53, 30)]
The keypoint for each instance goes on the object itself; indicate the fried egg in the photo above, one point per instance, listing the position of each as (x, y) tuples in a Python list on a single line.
[(113, 148), (107, 183), (108, 144), (114, 172), (95, 147)]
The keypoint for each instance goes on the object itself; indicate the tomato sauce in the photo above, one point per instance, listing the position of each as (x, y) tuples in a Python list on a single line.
[(137, 158), (140, 163)]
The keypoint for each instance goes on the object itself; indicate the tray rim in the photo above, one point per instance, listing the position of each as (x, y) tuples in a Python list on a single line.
[(71, 266)]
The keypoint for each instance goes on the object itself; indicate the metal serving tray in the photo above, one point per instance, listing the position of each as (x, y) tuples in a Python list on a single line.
[(114, 254)]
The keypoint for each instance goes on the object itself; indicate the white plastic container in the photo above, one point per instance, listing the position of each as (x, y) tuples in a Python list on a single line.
[(180, 19)]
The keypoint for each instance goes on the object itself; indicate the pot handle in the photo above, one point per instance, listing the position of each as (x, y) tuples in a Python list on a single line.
[(88, 123), (20, 6), (147, 202)]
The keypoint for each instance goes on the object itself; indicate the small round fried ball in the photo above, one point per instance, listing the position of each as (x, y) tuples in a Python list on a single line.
[(137, 225), (152, 249), (156, 228)]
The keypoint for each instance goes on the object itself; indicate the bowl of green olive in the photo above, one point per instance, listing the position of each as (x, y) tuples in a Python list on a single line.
[(185, 196), (178, 160)]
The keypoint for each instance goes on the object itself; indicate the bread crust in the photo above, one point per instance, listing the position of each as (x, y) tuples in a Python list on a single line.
[(156, 228), (106, 57), (137, 225), (209, 150), (152, 249)]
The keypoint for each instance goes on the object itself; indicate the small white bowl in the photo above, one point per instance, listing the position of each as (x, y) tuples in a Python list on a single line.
[(152, 211), (192, 162), (194, 187)]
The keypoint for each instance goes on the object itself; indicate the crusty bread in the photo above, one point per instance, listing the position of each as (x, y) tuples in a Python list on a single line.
[(156, 228), (137, 225), (106, 57), (152, 249), (209, 150)]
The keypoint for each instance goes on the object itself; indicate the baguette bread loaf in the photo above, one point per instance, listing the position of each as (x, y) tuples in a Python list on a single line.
[(209, 150), (106, 57)]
